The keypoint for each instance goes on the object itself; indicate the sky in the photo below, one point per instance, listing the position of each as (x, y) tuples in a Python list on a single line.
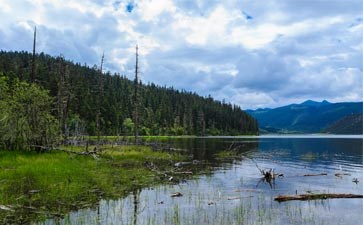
[(253, 53)]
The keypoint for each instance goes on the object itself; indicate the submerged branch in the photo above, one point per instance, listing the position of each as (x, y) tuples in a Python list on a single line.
[(342, 174), (315, 174)]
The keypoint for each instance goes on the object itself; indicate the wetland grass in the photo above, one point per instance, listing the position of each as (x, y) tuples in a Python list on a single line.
[(35, 186)]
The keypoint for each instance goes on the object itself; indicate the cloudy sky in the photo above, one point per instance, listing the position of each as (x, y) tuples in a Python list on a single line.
[(254, 53)]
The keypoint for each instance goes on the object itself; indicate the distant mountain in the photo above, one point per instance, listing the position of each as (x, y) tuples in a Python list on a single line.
[(307, 117), (352, 124), (313, 103)]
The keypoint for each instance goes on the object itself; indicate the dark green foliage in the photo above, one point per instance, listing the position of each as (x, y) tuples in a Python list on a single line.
[(163, 111), (308, 117), (352, 124), (25, 115)]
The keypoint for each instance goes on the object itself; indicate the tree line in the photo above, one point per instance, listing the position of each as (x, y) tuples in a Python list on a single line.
[(87, 100)]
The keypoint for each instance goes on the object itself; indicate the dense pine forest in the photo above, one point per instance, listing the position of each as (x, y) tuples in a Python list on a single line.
[(88, 101)]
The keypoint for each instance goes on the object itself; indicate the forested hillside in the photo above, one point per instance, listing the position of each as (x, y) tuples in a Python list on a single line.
[(82, 93), (307, 117), (352, 124)]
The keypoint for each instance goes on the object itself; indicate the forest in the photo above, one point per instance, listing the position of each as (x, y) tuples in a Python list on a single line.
[(85, 100)]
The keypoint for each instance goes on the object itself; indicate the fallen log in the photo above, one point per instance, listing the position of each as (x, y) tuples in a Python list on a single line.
[(184, 172), (176, 194), (33, 192), (92, 153), (342, 174), (7, 208), (233, 198), (180, 164), (304, 197), (315, 174)]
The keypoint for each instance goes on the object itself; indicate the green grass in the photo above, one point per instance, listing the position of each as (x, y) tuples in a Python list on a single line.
[(56, 182), (132, 138), (227, 154)]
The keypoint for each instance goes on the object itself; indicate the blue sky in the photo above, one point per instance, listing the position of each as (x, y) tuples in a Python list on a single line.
[(249, 52)]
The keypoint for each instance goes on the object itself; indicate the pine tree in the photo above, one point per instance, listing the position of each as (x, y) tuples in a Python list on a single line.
[(98, 99)]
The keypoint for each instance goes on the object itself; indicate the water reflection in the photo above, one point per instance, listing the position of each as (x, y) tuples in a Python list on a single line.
[(234, 192), (136, 196), (206, 148)]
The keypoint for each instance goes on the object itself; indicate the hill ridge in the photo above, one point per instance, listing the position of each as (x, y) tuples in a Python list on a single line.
[(306, 117)]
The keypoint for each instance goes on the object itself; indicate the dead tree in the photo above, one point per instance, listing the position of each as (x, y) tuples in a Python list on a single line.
[(99, 98), (136, 99), (33, 61), (63, 97), (32, 111)]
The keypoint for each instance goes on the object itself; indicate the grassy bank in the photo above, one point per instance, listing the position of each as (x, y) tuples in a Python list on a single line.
[(35, 186), (132, 138)]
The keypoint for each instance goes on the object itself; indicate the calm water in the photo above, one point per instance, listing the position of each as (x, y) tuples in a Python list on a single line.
[(233, 192)]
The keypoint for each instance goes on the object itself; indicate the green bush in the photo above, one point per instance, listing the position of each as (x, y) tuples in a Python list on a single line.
[(25, 115)]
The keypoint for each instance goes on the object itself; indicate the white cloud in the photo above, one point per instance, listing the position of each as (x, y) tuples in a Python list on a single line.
[(285, 51), (252, 99), (203, 30), (150, 10)]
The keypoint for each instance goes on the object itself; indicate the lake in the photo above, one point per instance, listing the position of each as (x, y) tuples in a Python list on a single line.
[(230, 189)]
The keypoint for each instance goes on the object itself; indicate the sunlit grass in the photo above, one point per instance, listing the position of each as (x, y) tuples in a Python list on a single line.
[(227, 154), (57, 181)]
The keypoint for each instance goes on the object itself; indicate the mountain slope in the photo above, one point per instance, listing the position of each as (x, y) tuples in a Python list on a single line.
[(352, 124), (307, 117), (162, 110)]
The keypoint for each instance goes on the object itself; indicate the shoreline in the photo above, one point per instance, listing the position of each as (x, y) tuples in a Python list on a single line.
[(36, 186)]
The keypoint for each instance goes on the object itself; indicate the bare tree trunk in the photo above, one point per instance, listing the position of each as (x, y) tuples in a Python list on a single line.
[(63, 97), (136, 99), (99, 97), (31, 109), (33, 61)]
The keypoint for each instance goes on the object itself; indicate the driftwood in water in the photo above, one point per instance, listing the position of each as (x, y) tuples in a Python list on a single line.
[(315, 174), (176, 194), (183, 172), (342, 174), (233, 198), (180, 164), (269, 177), (304, 197), (166, 174)]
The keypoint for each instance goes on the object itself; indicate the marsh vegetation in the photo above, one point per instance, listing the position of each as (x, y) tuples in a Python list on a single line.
[(226, 187), (38, 186)]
